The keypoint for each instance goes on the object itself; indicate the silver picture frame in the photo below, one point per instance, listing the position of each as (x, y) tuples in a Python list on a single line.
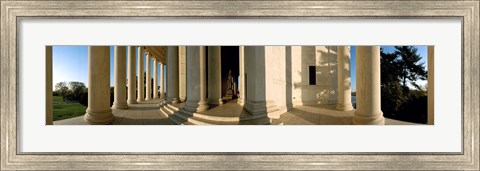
[(468, 11)]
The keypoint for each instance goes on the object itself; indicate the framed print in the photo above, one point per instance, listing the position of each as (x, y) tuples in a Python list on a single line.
[(239, 85)]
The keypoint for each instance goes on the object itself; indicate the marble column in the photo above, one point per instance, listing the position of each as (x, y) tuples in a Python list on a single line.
[(214, 75), (162, 84), (148, 77), (119, 90), (182, 82), (172, 74), (368, 110), (98, 111), (344, 101), (155, 79), (431, 84), (140, 71), (255, 81), (241, 65), (196, 76), (132, 87), (49, 86)]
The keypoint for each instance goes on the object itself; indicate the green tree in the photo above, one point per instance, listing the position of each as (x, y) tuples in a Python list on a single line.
[(400, 68), (392, 96), (78, 88), (411, 67), (62, 89)]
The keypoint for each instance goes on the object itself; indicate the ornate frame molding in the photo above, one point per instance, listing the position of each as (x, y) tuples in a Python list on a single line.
[(468, 11)]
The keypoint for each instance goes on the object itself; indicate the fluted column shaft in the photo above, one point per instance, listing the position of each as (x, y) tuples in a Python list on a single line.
[(149, 78), (344, 101), (131, 76), (162, 84), (172, 74), (214, 75), (368, 86), (196, 76), (140, 80), (182, 82), (98, 111), (155, 79), (119, 71), (241, 63)]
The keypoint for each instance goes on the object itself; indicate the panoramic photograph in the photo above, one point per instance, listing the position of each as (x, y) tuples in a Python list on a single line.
[(239, 85)]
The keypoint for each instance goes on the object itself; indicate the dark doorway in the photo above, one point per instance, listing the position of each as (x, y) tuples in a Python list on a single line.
[(230, 61)]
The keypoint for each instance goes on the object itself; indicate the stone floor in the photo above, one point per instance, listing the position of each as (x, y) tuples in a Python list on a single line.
[(143, 113), (322, 115), (147, 113)]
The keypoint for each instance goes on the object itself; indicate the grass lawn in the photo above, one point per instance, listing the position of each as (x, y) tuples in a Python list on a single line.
[(57, 99), (65, 110)]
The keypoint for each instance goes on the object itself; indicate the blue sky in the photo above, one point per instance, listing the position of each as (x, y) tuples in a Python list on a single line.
[(70, 63), (422, 51)]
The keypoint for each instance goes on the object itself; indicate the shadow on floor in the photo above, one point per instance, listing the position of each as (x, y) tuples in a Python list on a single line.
[(315, 115), (120, 120)]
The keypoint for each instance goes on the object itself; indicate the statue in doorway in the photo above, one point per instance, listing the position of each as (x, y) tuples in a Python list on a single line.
[(230, 81), (230, 86)]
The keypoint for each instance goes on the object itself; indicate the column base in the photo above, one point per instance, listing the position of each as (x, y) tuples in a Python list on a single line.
[(99, 117), (289, 106), (344, 107), (162, 103), (215, 101), (257, 108), (361, 120), (196, 106), (172, 100), (140, 100), (240, 101), (120, 105), (131, 102)]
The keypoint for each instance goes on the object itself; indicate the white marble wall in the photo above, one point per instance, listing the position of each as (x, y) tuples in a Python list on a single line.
[(324, 58), (275, 57)]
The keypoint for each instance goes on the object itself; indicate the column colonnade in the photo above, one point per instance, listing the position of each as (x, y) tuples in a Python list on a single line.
[(203, 85)]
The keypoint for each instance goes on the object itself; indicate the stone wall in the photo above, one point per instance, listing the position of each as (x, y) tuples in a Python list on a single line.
[(324, 58), (276, 74)]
